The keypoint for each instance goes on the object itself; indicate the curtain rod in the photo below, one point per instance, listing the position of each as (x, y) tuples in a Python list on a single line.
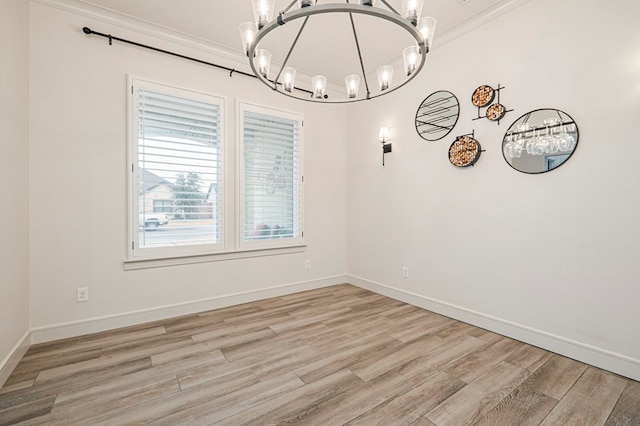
[(89, 31)]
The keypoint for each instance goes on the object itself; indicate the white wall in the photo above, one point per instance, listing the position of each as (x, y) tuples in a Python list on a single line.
[(78, 187), (551, 258), (14, 175)]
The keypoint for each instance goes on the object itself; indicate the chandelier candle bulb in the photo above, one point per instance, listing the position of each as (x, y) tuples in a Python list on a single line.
[(411, 9), (263, 11), (353, 84), (305, 3), (427, 27), (263, 58), (319, 84), (411, 56), (385, 75), (288, 78), (248, 32)]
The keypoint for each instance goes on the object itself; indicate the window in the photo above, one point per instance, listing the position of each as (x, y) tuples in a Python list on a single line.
[(270, 177), (176, 171)]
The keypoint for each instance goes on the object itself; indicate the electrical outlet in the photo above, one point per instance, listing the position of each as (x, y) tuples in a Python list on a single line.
[(405, 272), (82, 294), (307, 264)]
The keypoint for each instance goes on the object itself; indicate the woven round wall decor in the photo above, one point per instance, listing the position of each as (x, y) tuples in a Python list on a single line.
[(483, 96), (464, 151), (495, 112)]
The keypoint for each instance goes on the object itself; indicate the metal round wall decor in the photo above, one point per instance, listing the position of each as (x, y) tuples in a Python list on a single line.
[(464, 151), (437, 115)]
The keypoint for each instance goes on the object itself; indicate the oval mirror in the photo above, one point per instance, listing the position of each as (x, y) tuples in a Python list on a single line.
[(540, 141), (437, 115)]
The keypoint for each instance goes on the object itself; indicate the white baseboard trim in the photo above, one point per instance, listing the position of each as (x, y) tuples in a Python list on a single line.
[(13, 358), (125, 319), (598, 357)]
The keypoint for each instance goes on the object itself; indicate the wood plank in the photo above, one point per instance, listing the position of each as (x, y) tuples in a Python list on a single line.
[(306, 320), (347, 406), (387, 360), (360, 350), (83, 379), (529, 357), (422, 327), (221, 398), (33, 405), (475, 400), (478, 362), (627, 409), (522, 407), (556, 376), (106, 361), (224, 338), (211, 410), (297, 403), (408, 407), (422, 421), (109, 399), (186, 351), (446, 353), (589, 401)]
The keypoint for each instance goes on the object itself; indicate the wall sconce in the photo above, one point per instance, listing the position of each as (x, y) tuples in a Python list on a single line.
[(383, 137)]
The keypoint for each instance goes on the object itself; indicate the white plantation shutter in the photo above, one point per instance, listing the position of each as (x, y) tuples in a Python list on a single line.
[(271, 176), (178, 154)]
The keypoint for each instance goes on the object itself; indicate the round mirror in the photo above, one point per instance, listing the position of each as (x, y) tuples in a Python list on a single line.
[(540, 141), (437, 115)]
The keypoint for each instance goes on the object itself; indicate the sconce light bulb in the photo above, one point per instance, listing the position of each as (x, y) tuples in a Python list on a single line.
[(383, 136)]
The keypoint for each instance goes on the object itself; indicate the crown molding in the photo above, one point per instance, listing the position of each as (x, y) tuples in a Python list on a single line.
[(481, 18), (131, 23)]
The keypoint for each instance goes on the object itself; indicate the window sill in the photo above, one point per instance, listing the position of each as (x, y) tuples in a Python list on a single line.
[(134, 264)]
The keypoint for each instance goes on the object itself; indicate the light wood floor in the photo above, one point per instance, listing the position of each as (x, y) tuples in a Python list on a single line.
[(339, 355)]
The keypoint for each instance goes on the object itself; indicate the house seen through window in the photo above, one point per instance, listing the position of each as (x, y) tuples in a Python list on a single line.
[(177, 167)]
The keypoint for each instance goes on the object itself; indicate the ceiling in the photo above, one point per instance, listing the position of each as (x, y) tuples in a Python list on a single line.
[(327, 44)]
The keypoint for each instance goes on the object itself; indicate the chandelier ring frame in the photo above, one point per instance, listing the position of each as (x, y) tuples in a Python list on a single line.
[(320, 9)]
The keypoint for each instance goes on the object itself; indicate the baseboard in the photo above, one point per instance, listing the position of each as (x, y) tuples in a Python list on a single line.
[(110, 322), (598, 357), (13, 358)]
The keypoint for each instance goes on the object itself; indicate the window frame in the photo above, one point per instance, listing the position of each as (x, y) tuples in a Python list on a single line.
[(241, 243), (231, 245), (135, 253)]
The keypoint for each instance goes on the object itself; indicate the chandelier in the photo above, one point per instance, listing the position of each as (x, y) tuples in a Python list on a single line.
[(314, 89)]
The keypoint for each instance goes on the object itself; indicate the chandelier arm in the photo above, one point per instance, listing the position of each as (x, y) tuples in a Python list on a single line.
[(390, 7), (364, 74), (293, 45), (290, 6)]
